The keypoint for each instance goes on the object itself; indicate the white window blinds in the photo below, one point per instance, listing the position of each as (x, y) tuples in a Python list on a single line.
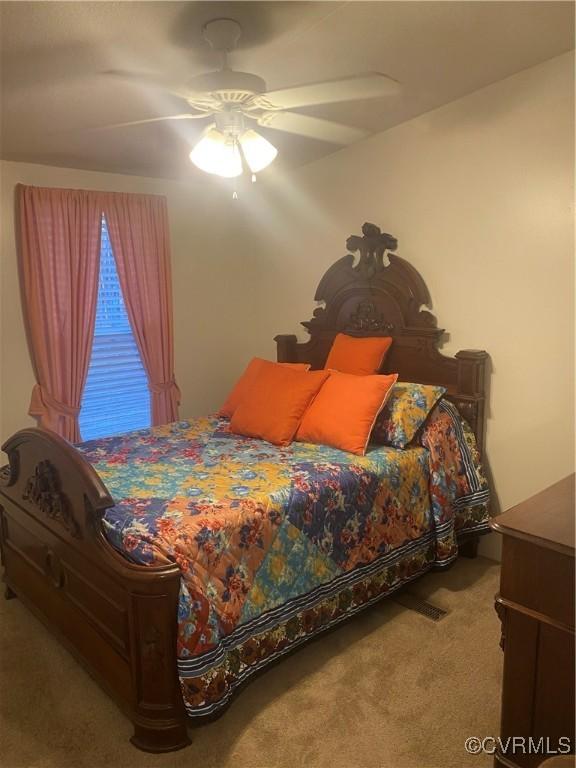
[(116, 397)]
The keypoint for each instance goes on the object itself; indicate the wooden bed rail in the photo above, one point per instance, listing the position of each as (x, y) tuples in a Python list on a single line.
[(119, 619)]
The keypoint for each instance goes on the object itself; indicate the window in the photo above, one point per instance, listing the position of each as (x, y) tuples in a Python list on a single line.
[(116, 396)]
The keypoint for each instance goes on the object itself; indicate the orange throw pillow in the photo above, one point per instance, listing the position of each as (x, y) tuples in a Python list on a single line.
[(361, 355), (246, 381), (274, 406), (344, 411)]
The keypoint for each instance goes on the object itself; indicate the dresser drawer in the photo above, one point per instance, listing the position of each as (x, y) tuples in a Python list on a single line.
[(538, 579)]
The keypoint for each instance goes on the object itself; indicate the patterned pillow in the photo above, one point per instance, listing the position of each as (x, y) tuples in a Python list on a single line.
[(406, 410)]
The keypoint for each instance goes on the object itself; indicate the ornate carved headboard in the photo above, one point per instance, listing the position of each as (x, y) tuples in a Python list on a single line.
[(383, 295)]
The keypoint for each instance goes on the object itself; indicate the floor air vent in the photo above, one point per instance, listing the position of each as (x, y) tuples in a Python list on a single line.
[(415, 603)]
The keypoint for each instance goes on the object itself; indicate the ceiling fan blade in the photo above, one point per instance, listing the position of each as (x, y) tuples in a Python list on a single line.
[(184, 116), (312, 127), (150, 80), (368, 86)]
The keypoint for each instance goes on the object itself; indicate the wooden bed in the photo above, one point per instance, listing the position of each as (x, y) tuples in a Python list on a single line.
[(119, 619)]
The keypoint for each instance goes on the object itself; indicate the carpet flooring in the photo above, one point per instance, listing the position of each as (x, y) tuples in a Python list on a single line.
[(389, 689)]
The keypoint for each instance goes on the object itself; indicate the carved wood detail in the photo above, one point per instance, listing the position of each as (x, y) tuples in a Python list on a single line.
[(372, 295), (44, 491), (468, 410), (5, 474), (371, 246), (367, 317), (153, 657), (10, 471), (381, 294), (500, 609), (54, 569)]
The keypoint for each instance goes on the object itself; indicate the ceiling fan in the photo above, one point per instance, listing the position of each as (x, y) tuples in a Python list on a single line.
[(237, 101)]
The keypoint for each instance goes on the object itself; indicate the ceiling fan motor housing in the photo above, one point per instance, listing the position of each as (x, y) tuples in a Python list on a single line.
[(228, 85)]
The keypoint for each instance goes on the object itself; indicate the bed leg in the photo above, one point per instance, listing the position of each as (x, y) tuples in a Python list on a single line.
[(9, 594), (469, 548), (160, 739)]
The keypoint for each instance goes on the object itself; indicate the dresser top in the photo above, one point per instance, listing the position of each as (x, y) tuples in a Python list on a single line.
[(547, 517)]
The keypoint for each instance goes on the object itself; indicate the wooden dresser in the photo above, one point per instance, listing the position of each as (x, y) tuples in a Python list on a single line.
[(536, 607)]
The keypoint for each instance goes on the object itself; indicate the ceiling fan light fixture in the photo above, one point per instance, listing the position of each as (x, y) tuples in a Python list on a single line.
[(258, 152), (218, 154)]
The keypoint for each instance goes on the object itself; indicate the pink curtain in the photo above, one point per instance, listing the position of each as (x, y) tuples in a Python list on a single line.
[(138, 229), (59, 252)]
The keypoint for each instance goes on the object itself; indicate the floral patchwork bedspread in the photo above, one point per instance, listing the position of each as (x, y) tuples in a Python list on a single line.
[(277, 544)]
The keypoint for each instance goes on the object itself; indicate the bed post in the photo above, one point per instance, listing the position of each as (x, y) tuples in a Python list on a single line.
[(159, 718), (286, 346), (469, 548), (471, 385)]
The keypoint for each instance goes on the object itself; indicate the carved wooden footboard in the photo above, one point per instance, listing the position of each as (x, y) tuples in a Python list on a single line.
[(119, 619)]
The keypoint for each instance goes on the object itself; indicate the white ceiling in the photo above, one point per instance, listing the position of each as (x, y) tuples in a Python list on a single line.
[(55, 55)]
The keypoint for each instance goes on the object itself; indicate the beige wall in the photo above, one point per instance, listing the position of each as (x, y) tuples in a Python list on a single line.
[(480, 196), (213, 309)]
